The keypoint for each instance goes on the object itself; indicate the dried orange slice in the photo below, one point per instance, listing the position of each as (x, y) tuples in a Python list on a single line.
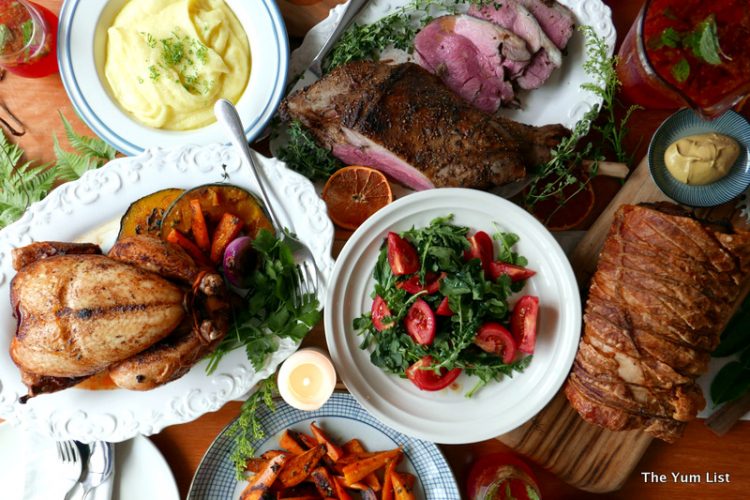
[(354, 193)]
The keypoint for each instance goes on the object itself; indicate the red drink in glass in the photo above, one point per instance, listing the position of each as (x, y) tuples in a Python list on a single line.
[(28, 39), (670, 57)]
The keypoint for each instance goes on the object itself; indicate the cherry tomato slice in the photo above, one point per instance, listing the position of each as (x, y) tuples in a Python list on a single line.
[(420, 322), (413, 285), (444, 309), (401, 255), (523, 322), (481, 247), (496, 339), (428, 380), (516, 273), (380, 311)]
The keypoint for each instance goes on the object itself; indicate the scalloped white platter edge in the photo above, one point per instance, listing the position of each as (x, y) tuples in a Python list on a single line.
[(94, 201)]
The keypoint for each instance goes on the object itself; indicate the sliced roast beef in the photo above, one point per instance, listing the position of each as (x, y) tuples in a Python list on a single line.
[(403, 120), (472, 57), (556, 19), (515, 17)]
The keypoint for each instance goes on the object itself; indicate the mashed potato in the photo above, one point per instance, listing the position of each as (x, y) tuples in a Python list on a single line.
[(168, 61)]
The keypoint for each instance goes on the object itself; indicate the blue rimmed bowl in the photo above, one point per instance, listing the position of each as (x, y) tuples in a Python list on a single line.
[(82, 40), (686, 122)]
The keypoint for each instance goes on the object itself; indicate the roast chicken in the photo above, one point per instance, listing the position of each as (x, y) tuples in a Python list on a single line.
[(145, 313), (664, 288)]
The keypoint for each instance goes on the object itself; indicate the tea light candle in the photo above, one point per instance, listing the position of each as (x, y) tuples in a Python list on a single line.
[(306, 379)]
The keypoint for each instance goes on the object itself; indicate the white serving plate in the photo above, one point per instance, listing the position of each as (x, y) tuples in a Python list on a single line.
[(559, 100), (343, 419), (448, 416), (82, 39), (101, 196)]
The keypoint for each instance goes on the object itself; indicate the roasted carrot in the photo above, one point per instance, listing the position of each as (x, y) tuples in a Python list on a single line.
[(401, 489), (352, 446), (307, 440), (387, 493), (228, 229), (333, 450), (198, 226), (299, 467), (255, 465), (341, 492), (261, 483), (323, 482), (409, 479), (291, 442), (355, 446), (272, 454), (191, 248), (354, 486), (356, 471)]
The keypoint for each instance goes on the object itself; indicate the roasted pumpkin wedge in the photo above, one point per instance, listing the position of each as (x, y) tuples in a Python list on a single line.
[(215, 201), (144, 215)]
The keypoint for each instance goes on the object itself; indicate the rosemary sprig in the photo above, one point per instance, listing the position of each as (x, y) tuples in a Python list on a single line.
[(247, 427)]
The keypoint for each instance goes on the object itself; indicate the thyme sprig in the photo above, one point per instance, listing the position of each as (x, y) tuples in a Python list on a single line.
[(247, 428)]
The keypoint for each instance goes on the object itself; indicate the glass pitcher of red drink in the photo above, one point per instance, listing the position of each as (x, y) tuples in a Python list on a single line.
[(28, 38), (688, 53)]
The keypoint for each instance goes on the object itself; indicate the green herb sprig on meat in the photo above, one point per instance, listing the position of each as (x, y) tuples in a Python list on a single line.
[(473, 298)]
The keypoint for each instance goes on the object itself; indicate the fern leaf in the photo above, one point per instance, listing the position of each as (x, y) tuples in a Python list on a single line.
[(90, 147)]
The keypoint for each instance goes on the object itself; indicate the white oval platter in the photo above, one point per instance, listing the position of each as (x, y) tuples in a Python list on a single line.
[(101, 196)]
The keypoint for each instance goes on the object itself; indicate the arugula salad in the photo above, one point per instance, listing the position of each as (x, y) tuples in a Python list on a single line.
[(442, 306)]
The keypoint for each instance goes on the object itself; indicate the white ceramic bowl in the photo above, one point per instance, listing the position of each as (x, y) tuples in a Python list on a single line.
[(448, 416), (82, 39)]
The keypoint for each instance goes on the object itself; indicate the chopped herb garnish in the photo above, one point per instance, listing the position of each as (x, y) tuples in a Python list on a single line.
[(670, 38), (303, 154), (681, 70), (153, 72), (27, 28)]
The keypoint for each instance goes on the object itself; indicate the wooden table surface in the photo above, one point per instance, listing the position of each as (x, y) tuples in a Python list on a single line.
[(36, 103)]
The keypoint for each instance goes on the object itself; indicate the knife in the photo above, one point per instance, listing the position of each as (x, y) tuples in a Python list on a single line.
[(350, 10), (99, 468)]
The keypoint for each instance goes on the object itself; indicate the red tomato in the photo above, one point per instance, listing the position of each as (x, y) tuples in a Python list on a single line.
[(379, 311), (444, 309), (490, 475), (496, 339), (401, 255), (481, 248), (420, 322), (413, 285), (523, 322), (516, 273), (428, 380)]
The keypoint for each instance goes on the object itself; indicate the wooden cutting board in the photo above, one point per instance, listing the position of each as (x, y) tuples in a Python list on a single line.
[(583, 455)]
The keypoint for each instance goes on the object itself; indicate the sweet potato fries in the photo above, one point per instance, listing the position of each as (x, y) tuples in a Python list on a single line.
[(314, 466)]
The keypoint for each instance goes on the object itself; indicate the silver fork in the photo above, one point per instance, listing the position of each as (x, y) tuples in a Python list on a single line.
[(303, 257), (101, 464), (69, 458)]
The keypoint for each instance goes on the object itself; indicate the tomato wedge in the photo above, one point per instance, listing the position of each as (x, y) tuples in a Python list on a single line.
[(523, 322), (420, 322), (380, 310), (482, 248), (428, 380), (401, 255), (444, 309), (496, 339), (413, 285), (516, 273)]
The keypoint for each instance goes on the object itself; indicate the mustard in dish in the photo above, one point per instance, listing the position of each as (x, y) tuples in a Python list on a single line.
[(168, 61), (701, 159)]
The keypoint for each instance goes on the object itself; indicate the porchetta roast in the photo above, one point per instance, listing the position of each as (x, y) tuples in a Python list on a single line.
[(404, 121), (664, 288), (145, 313)]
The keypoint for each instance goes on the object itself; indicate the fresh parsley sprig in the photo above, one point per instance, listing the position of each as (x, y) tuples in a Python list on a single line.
[(267, 313), (22, 184), (247, 427)]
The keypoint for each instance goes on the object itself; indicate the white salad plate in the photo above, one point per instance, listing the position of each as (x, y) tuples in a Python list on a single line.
[(94, 204), (81, 50), (559, 100), (341, 418), (26, 460), (448, 416)]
